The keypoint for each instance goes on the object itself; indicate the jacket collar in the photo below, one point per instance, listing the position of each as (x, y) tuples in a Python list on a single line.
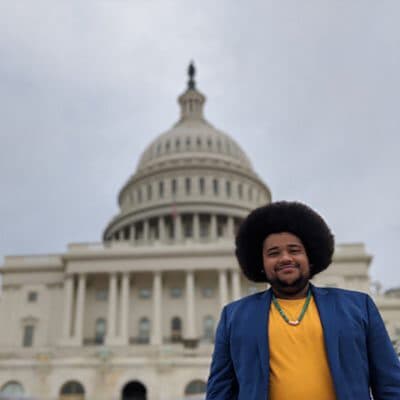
[(326, 305), (262, 313)]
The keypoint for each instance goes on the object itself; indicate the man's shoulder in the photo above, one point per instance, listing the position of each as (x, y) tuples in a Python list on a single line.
[(340, 292), (343, 294), (246, 301)]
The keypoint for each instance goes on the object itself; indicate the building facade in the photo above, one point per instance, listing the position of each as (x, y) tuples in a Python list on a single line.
[(133, 317)]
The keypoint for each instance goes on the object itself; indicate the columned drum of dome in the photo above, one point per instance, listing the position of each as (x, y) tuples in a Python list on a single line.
[(193, 182)]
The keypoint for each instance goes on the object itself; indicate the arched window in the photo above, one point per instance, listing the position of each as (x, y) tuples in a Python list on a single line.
[(72, 388), (195, 387), (208, 328), (12, 389), (100, 331), (176, 329), (144, 330)]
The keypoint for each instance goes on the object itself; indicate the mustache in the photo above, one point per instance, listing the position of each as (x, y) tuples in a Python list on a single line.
[(282, 266)]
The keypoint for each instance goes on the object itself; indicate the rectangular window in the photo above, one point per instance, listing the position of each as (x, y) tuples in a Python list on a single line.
[(240, 190), (208, 292), (220, 228), (28, 336), (187, 227), (101, 294), (204, 228), (176, 292), (149, 192), (215, 186), (202, 185), (174, 187), (32, 297), (161, 189), (188, 185), (169, 228), (228, 189), (145, 293)]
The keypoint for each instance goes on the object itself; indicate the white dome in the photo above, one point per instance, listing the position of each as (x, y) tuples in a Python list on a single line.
[(194, 171), (192, 136)]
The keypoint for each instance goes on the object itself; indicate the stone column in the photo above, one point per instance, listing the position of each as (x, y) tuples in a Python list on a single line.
[(112, 309), (177, 228), (213, 227), (223, 288), (196, 227), (124, 316), (190, 308), (68, 294), (236, 294), (80, 309), (132, 233), (161, 229), (156, 337), (230, 228)]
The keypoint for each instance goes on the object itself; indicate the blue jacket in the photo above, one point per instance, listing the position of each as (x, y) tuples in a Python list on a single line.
[(360, 354)]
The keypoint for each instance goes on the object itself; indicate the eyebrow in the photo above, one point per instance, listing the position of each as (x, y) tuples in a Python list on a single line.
[(290, 245)]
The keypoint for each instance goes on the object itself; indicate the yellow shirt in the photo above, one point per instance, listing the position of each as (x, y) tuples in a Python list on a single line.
[(298, 363)]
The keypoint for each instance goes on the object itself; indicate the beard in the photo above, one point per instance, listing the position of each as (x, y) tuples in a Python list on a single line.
[(291, 288)]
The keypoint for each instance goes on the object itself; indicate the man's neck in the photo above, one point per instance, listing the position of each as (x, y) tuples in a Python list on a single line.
[(282, 294)]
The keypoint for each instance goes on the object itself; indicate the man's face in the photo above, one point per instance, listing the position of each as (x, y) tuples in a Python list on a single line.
[(285, 262)]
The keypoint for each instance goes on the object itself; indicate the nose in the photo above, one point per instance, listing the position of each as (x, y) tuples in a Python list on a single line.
[(286, 258)]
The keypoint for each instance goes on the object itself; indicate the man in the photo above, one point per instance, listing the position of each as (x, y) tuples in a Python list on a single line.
[(296, 341)]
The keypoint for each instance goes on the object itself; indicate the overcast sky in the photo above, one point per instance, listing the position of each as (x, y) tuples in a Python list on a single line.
[(309, 89)]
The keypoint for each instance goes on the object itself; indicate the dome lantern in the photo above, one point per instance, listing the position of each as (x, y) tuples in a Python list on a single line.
[(192, 100)]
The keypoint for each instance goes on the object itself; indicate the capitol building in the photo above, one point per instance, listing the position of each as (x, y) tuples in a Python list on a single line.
[(133, 317)]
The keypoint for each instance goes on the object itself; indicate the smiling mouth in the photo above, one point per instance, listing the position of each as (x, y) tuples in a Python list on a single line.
[(290, 267)]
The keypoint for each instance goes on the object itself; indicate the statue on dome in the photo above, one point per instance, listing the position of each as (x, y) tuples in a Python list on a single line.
[(191, 73)]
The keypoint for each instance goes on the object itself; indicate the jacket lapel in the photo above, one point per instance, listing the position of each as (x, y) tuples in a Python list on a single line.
[(330, 325), (261, 316)]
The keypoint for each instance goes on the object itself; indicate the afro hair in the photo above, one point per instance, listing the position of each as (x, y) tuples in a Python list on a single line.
[(283, 216)]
